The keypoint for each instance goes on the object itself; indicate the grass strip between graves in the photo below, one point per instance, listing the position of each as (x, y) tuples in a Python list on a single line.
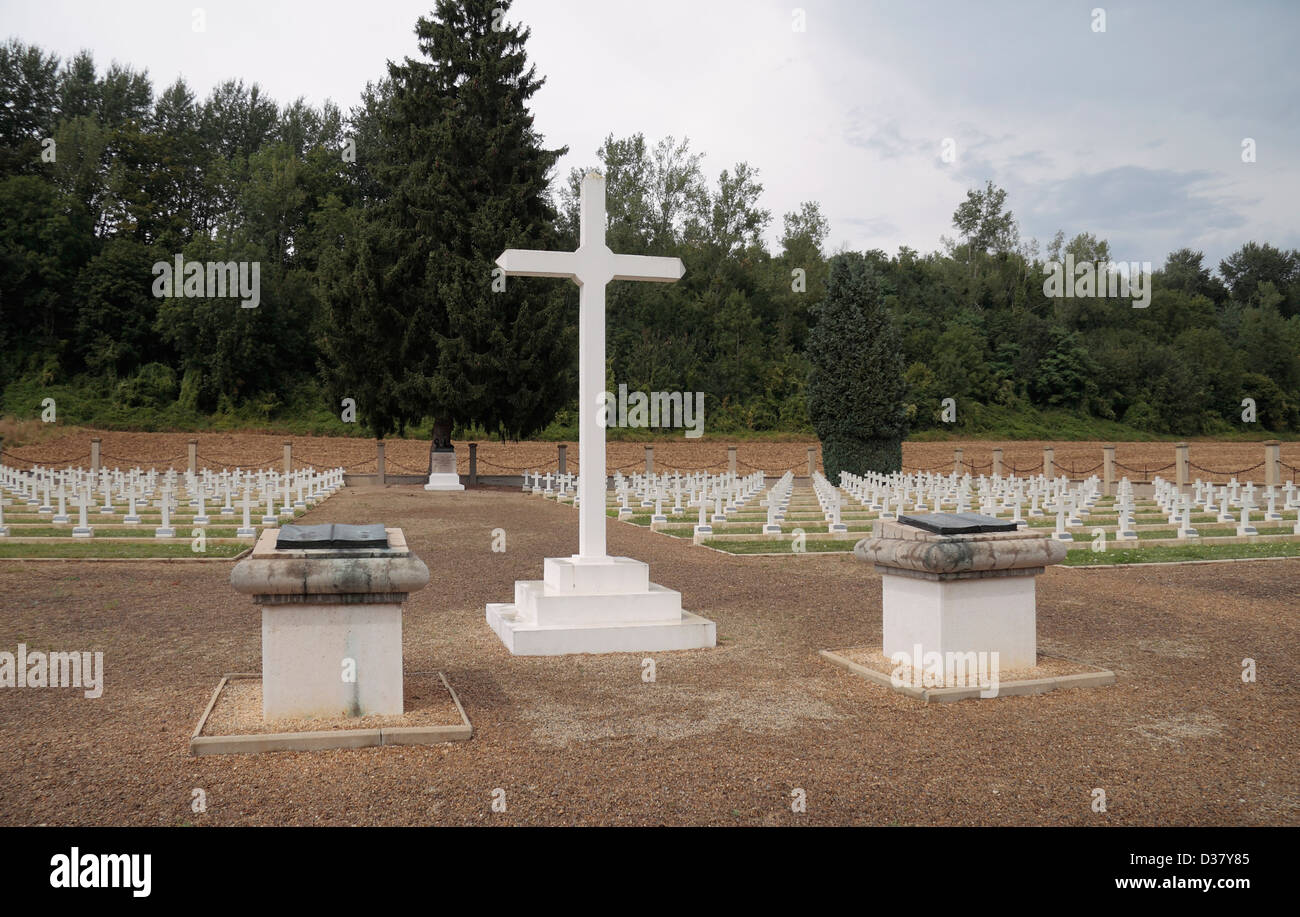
[(1115, 556), (95, 548)]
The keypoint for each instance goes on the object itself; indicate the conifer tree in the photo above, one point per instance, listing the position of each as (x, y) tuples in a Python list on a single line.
[(455, 173), (856, 386)]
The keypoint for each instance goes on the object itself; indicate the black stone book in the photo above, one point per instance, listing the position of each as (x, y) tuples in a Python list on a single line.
[(332, 535), (958, 523)]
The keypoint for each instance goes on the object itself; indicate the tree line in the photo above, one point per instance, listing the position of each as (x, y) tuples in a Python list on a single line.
[(376, 230)]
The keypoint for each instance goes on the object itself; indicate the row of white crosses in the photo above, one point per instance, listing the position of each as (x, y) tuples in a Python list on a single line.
[(776, 501), (828, 496), (1179, 505), (78, 487), (723, 493), (918, 492)]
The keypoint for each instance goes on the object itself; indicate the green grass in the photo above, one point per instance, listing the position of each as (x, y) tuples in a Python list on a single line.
[(93, 547), (811, 546), (135, 531), (1203, 532), (1166, 553), (1151, 554)]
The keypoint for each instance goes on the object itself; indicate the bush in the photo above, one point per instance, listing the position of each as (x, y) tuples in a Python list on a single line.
[(154, 386)]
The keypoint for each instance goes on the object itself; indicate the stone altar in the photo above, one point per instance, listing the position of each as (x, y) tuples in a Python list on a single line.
[(959, 583)]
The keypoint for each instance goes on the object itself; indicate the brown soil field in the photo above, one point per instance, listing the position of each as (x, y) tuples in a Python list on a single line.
[(1211, 460), (722, 736)]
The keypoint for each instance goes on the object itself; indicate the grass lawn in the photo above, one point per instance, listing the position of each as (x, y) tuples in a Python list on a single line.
[(1159, 553), (811, 546), (93, 547)]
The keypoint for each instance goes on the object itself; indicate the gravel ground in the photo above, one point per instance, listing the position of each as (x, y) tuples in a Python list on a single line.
[(721, 737), (411, 456)]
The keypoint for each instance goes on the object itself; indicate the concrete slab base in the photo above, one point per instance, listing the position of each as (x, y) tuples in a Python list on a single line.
[(1093, 679), (602, 605), (324, 739), (524, 639)]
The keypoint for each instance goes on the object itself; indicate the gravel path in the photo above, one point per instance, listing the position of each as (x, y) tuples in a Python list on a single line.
[(721, 737)]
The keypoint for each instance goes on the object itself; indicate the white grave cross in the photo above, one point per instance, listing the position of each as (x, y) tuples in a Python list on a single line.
[(591, 267)]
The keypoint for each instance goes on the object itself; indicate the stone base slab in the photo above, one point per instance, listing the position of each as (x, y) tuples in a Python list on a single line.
[(324, 739), (1094, 679), (523, 638)]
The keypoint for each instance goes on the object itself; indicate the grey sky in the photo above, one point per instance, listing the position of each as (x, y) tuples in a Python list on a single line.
[(1133, 134)]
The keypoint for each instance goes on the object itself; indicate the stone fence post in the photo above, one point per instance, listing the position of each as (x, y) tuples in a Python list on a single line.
[(1108, 468), (997, 461), (563, 458), (379, 460), (1180, 464), (288, 457), (94, 455), (957, 454), (194, 456), (1272, 463), (731, 459), (812, 460), (1049, 462), (473, 464), (649, 460)]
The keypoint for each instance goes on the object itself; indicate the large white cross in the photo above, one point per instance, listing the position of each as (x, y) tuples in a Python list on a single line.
[(591, 267)]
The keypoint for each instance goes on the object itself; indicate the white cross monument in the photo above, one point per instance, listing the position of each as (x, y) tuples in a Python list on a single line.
[(591, 602)]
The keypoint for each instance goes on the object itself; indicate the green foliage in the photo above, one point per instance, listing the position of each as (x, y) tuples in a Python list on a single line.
[(413, 325), (376, 274), (856, 385)]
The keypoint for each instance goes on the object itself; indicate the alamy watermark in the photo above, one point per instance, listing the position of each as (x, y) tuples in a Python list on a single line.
[(933, 669), (52, 670), (1091, 280), (209, 280), (655, 409)]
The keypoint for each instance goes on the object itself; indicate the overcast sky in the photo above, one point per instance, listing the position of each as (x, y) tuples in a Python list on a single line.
[(1134, 133)]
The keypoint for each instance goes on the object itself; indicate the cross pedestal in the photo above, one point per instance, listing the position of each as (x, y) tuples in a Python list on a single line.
[(591, 602), (442, 473)]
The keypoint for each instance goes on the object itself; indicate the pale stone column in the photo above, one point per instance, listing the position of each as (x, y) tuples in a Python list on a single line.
[(94, 454), (812, 461), (194, 456), (997, 460), (562, 461), (1180, 464), (957, 461), (473, 464), (731, 459), (1108, 468), (649, 459), (1049, 462), (288, 457), (1272, 463), (322, 606), (379, 460)]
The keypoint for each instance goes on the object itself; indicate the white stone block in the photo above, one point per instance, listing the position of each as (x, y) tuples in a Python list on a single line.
[(304, 648), (524, 639), (609, 575), (986, 614)]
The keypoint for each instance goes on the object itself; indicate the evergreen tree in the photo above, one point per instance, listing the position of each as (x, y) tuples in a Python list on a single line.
[(856, 386), (416, 329)]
